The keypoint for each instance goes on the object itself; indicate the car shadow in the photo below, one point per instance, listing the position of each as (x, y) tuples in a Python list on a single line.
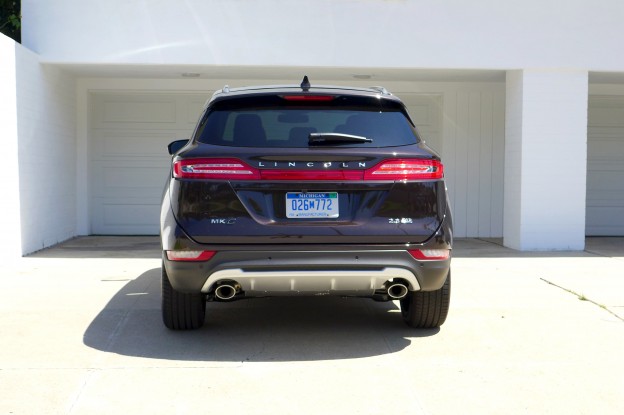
[(258, 330)]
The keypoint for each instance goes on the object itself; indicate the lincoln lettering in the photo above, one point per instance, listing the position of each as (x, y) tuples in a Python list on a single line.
[(311, 164)]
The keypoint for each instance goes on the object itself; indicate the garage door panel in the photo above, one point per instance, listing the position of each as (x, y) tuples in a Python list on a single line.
[(606, 150), (129, 163), (132, 144), (600, 220), (136, 214), (605, 166), (422, 115), (609, 180), (425, 111), (115, 180), (605, 147), (146, 111), (606, 112), (605, 198), (192, 110), (126, 217), (126, 111), (139, 112)]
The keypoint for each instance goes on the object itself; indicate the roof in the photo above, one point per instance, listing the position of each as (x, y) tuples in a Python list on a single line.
[(228, 92)]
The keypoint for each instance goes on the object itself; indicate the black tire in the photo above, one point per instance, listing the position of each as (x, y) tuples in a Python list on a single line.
[(427, 309), (181, 311)]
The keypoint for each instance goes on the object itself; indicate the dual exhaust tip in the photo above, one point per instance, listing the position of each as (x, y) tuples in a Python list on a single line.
[(227, 290), (396, 290)]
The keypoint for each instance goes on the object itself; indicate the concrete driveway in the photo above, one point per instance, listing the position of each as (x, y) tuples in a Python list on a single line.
[(527, 333)]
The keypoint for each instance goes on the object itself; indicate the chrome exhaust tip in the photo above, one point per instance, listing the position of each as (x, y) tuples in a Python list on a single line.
[(397, 291), (227, 291)]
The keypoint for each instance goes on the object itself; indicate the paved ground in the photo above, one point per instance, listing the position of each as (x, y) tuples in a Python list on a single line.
[(80, 333)]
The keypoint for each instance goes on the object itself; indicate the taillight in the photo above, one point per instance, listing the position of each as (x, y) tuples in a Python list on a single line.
[(235, 169), (406, 169), (190, 255), (430, 254), (224, 169)]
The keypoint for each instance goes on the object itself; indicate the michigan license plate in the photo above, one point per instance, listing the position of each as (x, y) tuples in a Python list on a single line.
[(312, 205)]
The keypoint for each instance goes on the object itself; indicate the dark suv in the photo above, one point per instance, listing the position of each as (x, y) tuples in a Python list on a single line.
[(305, 190)]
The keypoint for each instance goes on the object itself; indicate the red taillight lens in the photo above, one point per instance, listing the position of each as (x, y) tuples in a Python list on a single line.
[(190, 255), (316, 98), (235, 169), (430, 254), (409, 169), (223, 169)]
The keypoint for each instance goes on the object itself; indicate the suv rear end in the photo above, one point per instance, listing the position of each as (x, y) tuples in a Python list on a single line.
[(305, 190)]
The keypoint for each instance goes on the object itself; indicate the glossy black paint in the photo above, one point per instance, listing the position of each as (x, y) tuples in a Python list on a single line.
[(254, 211), (176, 146)]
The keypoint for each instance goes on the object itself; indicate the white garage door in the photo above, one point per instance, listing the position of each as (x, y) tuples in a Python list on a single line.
[(129, 159), (426, 112), (605, 166)]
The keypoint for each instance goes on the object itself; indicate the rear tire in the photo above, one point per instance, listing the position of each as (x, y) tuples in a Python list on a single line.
[(181, 311), (427, 309)]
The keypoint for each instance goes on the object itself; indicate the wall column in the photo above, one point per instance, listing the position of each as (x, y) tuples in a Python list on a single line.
[(10, 216), (545, 159)]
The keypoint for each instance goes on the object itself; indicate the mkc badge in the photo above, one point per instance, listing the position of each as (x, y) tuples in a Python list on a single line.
[(230, 221)]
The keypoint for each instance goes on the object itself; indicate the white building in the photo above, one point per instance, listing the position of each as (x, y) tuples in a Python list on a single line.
[(523, 99)]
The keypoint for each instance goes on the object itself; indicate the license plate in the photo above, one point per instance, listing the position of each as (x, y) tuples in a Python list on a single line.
[(312, 205)]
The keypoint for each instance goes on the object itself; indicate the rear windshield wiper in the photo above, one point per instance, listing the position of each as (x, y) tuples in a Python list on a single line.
[(335, 138)]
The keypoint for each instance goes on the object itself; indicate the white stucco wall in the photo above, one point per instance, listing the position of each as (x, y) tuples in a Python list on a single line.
[(46, 114), (10, 243), (545, 160), (330, 33)]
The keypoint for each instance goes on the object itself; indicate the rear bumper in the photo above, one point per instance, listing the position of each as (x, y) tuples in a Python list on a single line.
[(339, 282), (356, 272), (291, 269)]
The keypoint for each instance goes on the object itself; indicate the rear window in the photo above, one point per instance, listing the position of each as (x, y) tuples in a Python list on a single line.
[(272, 121)]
